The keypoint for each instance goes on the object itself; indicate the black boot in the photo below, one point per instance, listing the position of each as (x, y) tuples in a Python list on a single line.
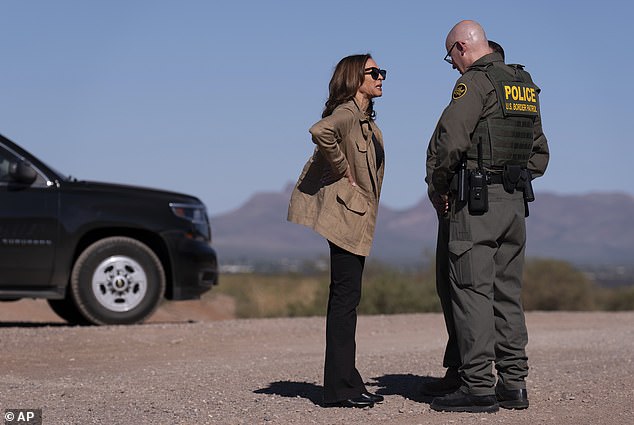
[(375, 398), (460, 401), (512, 399), (359, 402)]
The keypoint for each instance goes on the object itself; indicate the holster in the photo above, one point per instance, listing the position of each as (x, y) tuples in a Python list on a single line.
[(511, 177), (515, 177), (459, 184)]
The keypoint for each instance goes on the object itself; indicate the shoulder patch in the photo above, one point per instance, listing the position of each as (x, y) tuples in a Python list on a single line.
[(459, 91)]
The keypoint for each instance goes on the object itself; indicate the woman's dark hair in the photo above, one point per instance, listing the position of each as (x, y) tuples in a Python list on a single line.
[(348, 76)]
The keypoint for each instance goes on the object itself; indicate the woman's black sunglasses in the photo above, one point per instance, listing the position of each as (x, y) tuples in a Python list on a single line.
[(374, 72)]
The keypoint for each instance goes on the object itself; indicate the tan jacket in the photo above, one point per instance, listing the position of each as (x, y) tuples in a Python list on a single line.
[(324, 200)]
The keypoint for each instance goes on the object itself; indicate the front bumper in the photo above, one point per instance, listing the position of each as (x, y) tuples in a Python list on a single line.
[(194, 267)]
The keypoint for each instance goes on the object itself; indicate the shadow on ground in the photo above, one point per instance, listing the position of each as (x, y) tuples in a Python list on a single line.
[(306, 390), (405, 385)]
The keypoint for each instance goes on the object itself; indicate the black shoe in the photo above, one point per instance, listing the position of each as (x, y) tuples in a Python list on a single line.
[(461, 401), (442, 386), (375, 398), (359, 402), (512, 399)]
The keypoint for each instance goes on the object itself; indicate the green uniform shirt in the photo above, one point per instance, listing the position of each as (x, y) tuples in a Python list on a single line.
[(473, 98)]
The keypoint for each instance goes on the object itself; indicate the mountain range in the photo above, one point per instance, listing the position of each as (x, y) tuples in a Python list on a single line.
[(594, 228)]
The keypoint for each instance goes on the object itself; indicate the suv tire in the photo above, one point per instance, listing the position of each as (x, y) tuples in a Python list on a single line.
[(117, 280), (67, 310)]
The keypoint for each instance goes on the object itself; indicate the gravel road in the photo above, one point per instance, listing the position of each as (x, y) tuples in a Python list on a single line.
[(268, 371)]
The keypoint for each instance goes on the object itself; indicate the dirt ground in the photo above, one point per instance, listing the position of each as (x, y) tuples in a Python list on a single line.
[(194, 364)]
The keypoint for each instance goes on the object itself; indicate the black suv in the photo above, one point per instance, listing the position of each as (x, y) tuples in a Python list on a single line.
[(99, 253)]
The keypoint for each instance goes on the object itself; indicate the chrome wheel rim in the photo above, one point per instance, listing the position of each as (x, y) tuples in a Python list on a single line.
[(119, 283)]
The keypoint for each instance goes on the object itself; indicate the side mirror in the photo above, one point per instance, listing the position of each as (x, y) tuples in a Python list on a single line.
[(22, 172)]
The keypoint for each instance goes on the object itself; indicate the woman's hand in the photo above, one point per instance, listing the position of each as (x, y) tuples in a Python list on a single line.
[(328, 177), (348, 175)]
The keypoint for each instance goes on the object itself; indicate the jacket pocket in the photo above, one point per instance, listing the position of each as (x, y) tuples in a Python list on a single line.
[(460, 262), (362, 144), (347, 219), (352, 199)]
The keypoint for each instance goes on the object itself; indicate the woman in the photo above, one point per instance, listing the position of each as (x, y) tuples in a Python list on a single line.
[(337, 195)]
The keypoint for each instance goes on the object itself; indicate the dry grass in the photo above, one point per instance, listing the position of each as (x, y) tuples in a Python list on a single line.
[(548, 285), (277, 295)]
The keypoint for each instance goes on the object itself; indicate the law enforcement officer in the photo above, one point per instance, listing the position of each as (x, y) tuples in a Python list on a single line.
[(487, 144), (451, 359)]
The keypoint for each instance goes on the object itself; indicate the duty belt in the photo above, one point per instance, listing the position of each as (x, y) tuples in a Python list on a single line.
[(495, 178)]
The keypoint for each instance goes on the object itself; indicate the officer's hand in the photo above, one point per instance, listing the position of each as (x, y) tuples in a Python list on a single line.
[(440, 203)]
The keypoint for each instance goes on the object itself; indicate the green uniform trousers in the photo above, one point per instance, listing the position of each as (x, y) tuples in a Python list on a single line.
[(451, 358), (486, 259)]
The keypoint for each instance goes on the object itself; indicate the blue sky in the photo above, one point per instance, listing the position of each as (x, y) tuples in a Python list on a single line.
[(215, 98)]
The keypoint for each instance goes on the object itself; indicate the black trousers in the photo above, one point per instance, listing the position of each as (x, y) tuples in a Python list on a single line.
[(341, 377)]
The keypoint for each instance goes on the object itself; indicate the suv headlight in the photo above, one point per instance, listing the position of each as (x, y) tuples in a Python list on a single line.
[(195, 214)]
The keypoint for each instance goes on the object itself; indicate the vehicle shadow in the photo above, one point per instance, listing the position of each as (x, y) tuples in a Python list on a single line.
[(292, 389), (35, 325), (405, 385)]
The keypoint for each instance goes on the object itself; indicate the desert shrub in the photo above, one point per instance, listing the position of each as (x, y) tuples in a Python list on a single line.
[(556, 285), (279, 295), (617, 299), (387, 290), (547, 285)]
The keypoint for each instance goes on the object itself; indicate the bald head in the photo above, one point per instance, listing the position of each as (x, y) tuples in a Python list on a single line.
[(470, 44), (467, 31)]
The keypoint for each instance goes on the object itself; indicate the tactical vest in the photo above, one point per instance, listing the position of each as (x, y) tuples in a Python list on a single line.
[(507, 134)]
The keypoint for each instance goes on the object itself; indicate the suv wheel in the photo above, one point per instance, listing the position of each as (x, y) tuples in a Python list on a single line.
[(117, 280)]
